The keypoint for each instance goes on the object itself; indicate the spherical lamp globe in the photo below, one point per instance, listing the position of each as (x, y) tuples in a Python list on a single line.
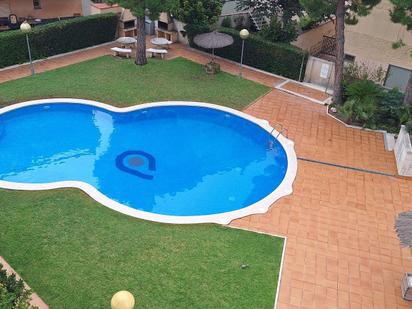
[(122, 300), (244, 34), (25, 27)]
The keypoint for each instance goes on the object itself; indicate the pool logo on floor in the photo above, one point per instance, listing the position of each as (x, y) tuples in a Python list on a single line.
[(132, 161)]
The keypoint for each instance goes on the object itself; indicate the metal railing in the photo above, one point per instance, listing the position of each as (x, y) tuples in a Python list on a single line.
[(258, 21), (282, 130)]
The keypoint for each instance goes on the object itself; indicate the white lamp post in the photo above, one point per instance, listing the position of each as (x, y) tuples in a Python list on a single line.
[(244, 34), (122, 300), (26, 28)]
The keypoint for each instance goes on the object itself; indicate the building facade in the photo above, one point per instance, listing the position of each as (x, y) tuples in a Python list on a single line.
[(371, 41), (44, 9)]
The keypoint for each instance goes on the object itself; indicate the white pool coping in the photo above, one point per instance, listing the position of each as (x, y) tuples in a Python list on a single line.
[(262, 206)]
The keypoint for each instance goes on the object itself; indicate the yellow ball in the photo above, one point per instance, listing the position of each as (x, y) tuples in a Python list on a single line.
[(122, 300)]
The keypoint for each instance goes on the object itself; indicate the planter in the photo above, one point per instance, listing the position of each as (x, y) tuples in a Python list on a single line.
[(212, 67)]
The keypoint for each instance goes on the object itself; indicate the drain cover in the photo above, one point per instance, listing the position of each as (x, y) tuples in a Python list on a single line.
[(136, 162)]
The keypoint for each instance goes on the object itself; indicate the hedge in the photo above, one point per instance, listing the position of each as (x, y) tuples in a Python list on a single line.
[(278, 58), (57, 37)]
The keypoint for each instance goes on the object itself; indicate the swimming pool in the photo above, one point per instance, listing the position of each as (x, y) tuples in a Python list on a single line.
[(174, 162)]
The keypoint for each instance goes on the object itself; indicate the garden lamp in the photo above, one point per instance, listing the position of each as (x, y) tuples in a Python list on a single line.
[(26, 28), (122, 300), (244, 34)]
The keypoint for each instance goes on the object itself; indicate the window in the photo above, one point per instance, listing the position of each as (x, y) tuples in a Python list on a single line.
[(397, 77), (36, 4), (349, 58)]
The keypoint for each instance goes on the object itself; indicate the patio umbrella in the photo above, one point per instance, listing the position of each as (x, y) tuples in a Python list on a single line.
[(403, 226), (212, 40), (126, 40)]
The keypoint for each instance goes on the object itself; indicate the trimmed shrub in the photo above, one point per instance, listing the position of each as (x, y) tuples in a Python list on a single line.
[(227, 22), (362, 104), (392, 112), (277, 31), (57, 37), (278, 58), (372, 106)]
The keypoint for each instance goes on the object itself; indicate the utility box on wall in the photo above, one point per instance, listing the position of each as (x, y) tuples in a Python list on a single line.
[(149, 26), (320, 72)]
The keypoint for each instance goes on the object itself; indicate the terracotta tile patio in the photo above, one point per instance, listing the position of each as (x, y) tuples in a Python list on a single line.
[(342, 251), (320, 137), (310, 92)]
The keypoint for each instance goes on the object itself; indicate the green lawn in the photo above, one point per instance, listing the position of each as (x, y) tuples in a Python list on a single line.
[(76, 253), (121, 83)]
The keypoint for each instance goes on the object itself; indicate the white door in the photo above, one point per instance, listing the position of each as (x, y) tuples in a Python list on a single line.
[(319, 72)]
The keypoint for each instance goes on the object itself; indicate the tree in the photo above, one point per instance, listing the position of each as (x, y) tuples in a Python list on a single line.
[(278, 31), (199, 15), (402, 14), (285, 9), (341, 11), (140, 9)]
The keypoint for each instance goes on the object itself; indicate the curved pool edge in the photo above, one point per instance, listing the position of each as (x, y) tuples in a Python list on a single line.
[(285, 187)]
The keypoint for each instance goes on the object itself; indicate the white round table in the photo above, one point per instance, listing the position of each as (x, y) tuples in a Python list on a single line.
[(160, 42), (126, 41)]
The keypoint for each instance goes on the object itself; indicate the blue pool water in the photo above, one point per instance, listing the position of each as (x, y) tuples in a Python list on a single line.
[(169, 160)]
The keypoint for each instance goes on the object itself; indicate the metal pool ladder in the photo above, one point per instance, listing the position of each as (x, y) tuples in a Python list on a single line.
[(282, 130)]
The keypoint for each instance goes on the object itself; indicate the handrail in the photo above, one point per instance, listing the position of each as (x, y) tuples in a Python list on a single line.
[(282, 129)]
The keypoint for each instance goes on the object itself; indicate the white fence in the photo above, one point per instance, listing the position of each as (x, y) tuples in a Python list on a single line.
[(403, 153)]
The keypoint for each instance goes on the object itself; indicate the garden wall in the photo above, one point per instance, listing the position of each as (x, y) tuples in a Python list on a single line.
[(56, 38), (309, 38), (278, 58)]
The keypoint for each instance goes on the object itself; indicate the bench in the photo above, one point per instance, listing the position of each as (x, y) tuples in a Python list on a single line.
[(157, 51), (117, 51)]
